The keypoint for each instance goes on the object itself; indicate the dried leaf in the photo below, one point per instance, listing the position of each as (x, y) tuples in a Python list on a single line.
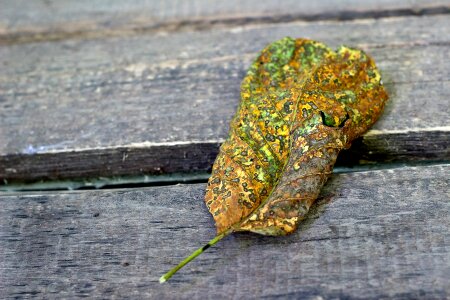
[(301, 103)]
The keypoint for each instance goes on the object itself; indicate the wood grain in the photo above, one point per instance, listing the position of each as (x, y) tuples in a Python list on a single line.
[(377, 234), (34, 21), (126, 106)]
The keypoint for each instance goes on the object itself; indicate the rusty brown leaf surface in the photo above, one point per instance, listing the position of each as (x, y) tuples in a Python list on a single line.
[(301, 103)]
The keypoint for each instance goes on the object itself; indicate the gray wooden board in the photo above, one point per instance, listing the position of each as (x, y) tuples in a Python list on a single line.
[(28, 21), (78, 108), (375, 234)]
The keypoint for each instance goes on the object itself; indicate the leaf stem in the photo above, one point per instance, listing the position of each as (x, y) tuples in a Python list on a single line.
[(194, 254)]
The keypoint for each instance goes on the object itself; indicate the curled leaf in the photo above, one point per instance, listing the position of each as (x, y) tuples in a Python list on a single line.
[(301, 103)]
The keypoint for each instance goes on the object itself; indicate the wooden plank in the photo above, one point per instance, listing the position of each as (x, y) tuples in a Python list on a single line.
[(25, 21), (377, 234), (158, 104)]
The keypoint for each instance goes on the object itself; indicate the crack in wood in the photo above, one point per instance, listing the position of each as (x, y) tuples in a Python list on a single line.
[(85, 32)]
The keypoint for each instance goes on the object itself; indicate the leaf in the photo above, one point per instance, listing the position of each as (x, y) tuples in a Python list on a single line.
[(301, 103)]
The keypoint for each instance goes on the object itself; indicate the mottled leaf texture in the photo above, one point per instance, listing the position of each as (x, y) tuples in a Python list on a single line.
[(301, 103)]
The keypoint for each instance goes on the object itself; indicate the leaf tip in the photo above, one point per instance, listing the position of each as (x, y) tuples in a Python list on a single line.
[(162, 279)]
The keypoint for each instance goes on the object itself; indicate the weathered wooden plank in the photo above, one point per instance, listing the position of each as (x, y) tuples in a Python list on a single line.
[(377, 234), (146, 105), (25, 21)]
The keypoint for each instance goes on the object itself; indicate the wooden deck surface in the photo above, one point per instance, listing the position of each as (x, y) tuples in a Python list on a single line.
[(101, 90), (375, 234)]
